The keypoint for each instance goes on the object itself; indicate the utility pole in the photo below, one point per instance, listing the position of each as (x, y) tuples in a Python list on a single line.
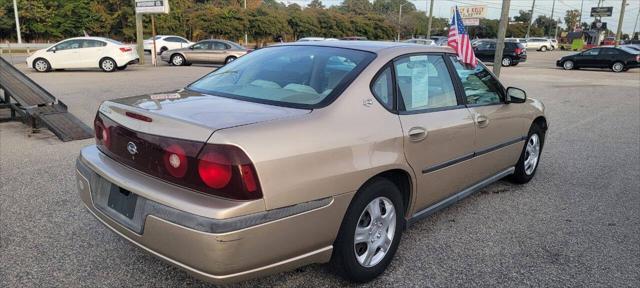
[(556, 35), (530, 18), (246, 38), (15, 12), (140, 38), (635, 25), (619, 33), (553, 8), (430, 18), (400, 19), (502, 31), (154, 53), (579, 21)]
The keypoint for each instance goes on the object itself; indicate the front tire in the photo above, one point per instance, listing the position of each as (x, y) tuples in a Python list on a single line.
[(108, 65), (543, 49), (370, 232), (568, 65), (41, 65), (530, 157), (617, 67)]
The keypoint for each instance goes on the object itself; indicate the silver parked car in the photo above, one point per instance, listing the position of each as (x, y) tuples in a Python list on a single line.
[(540, 44), (206, 52)]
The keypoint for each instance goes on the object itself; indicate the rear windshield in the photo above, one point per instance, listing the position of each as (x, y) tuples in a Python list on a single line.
[(292, 76)]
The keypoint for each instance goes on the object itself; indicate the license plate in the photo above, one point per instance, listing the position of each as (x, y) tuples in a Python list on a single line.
[(122, 201)]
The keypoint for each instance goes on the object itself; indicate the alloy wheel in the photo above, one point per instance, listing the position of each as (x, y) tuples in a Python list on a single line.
[(374, 233), (617, 67), (506, 61), (568, 65), (177, 60), (108, 65), (532, 154), (41, 65)]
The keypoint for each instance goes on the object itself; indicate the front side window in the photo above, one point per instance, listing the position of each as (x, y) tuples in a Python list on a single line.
[(480, 87), (424, 83), (71, 44), (201, 46), (592, 52), (293, 76)]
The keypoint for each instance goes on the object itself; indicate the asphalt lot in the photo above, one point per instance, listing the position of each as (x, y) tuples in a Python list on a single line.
[(576, 224)]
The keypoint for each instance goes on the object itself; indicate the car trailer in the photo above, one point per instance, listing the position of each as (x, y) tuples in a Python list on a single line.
[(30, 103)]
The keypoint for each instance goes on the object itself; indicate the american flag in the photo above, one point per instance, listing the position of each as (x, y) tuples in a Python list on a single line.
[(459, 40)]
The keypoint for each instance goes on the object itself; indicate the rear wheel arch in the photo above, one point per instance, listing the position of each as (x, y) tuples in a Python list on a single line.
[(402, 179)]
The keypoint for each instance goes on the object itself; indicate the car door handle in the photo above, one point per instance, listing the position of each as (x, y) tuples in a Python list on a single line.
[(417, 134), (482, 120)]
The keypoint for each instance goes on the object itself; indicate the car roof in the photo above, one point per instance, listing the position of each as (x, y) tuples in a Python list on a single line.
[(370, 46), (90, 38)]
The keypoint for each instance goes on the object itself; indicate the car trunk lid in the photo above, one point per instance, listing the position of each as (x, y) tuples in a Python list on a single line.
[(188, 114)]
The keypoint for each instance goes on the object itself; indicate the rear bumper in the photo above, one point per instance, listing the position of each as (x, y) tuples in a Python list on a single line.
[(216, 250)]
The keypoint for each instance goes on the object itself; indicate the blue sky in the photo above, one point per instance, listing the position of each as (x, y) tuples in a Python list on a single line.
[(543, 7)]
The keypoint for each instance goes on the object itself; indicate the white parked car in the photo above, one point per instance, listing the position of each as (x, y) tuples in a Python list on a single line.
[(311, 39), (428, 42), (84, 52), (540, 44), (166, 42)]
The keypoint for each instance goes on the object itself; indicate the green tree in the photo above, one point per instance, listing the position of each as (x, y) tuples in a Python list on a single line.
[(316, 4), (572, 19)]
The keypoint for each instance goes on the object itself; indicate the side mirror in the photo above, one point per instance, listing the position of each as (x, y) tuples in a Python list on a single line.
[(53, 49), (516, 95)]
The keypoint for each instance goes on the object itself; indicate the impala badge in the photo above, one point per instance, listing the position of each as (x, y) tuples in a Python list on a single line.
[(132, 148)]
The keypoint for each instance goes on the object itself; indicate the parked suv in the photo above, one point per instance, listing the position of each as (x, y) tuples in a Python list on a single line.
[(305, 153), (540, 44), (512, 55)]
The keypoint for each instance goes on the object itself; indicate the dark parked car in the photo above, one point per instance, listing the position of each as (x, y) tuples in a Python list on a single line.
[(512, 54), (617, 59)]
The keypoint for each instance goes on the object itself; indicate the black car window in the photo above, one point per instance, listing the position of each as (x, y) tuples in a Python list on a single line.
[(173, 39), (592, 52), (611, 51), (480, 87), (382, 88), (424, 83)]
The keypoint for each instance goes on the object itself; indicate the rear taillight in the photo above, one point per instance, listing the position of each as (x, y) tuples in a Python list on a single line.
[(638, 58), (125, 49), (518, 50), (103, 137), (215, 169)]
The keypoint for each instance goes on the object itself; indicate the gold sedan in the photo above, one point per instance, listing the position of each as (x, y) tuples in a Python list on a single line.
[(305, 153), (205, 52)]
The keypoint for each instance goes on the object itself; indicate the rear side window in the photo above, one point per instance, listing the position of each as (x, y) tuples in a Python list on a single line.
[(93, 44), (424, 83), (382, 88), (611, 51), (480, 87)]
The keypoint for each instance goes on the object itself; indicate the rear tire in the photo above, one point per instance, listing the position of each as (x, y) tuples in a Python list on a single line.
[(376, 214), (177, 60), (108, 65), (617, 67), (543, 49), (530, 157), (162, 50), (229, 59), (506, 62)]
